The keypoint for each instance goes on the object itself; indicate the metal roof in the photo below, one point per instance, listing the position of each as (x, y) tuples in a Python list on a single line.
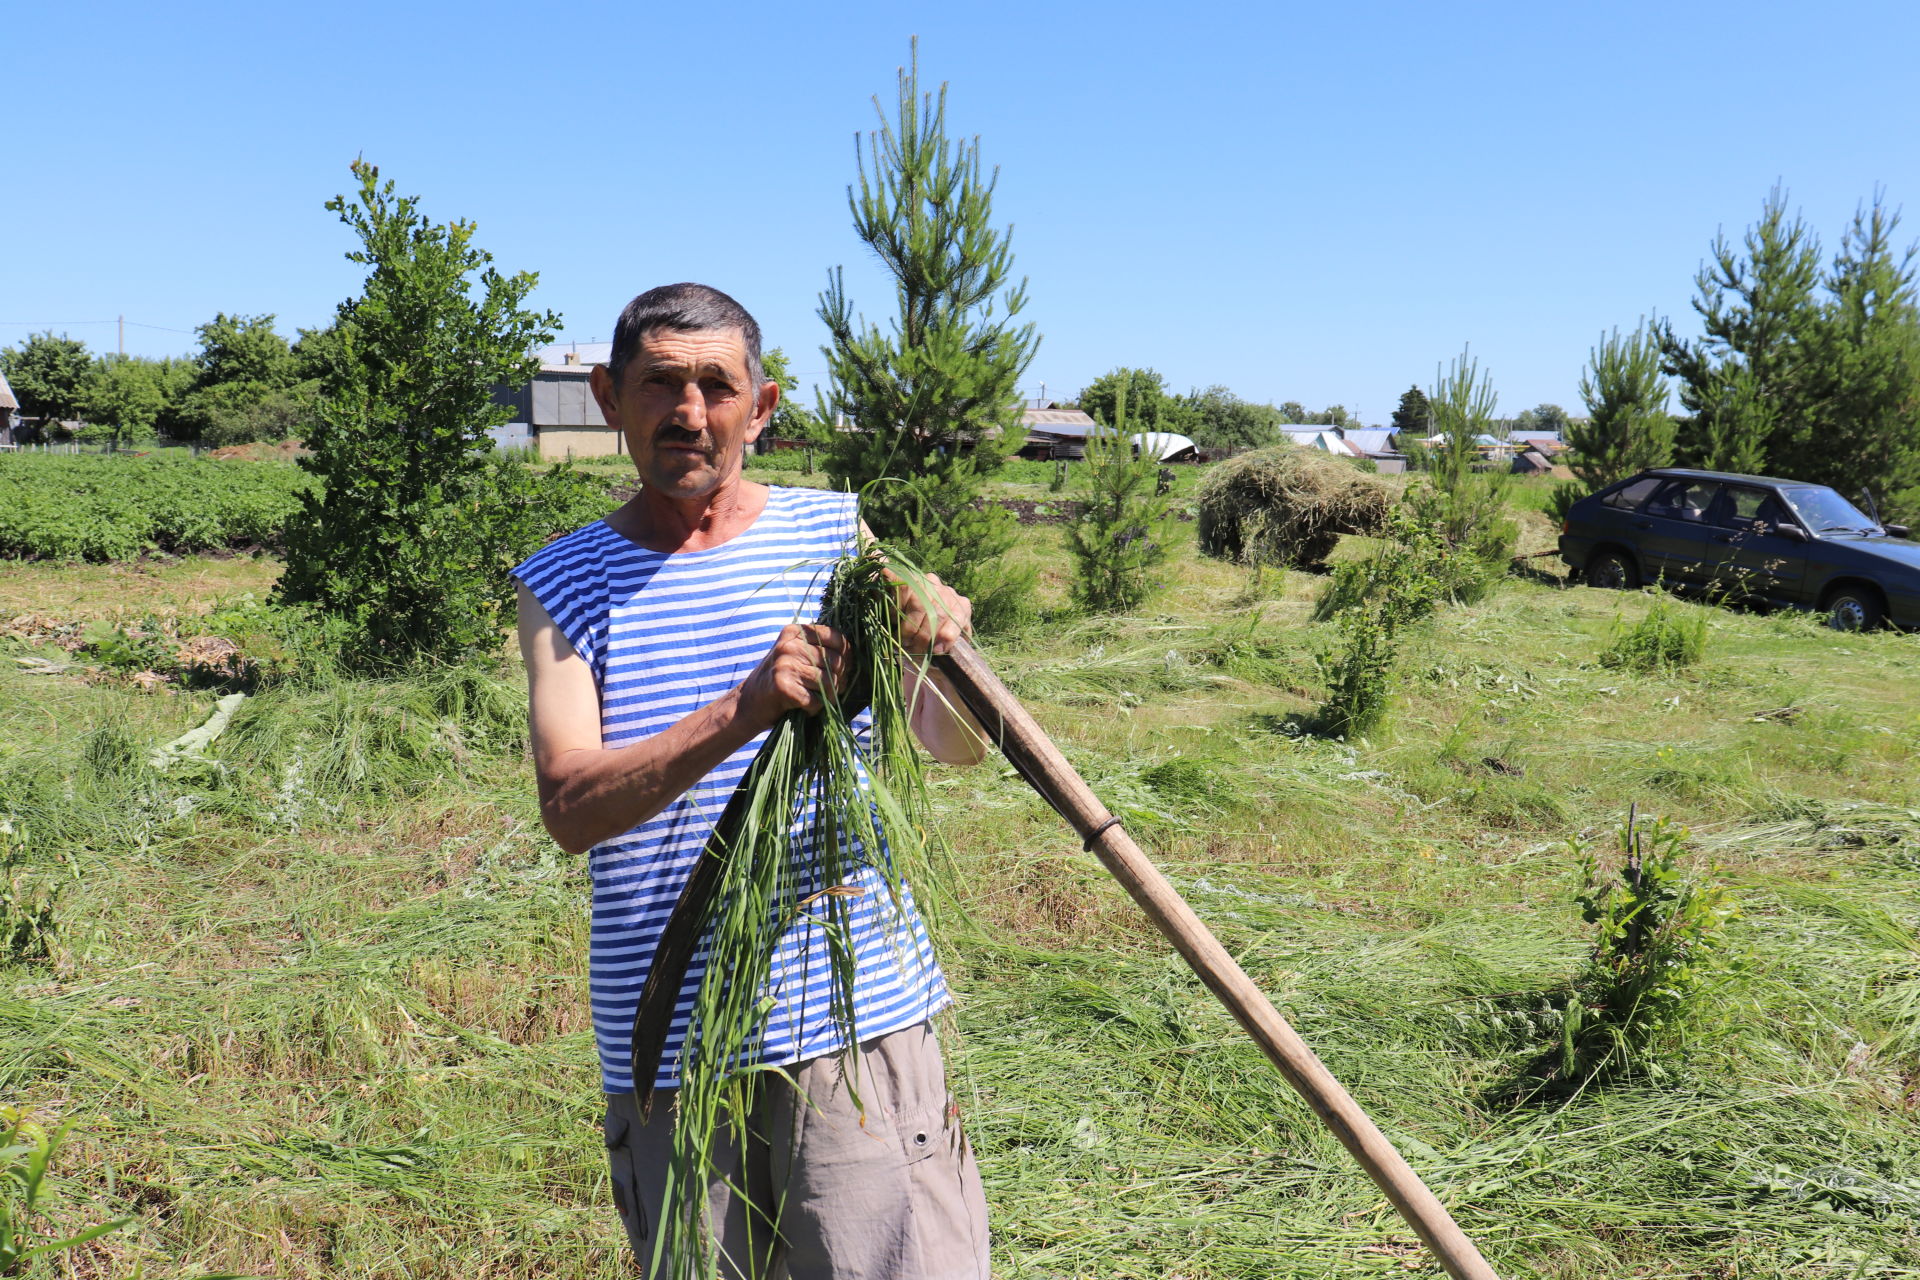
[(7, 400)]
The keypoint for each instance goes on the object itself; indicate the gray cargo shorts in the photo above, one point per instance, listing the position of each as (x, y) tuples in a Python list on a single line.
[(829, 1192)]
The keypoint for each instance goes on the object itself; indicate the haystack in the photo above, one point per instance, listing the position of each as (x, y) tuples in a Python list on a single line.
[(1287, 505)]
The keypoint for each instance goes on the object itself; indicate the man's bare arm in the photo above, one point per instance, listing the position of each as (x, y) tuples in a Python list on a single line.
[(590, 793)]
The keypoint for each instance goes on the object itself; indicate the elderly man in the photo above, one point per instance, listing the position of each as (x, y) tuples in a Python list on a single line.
[(661, 644)]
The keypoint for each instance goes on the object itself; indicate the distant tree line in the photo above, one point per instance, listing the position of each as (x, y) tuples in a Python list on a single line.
[(245, 383), (1212, 417)]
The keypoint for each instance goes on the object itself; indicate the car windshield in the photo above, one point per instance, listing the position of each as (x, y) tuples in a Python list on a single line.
[(1827, 512)]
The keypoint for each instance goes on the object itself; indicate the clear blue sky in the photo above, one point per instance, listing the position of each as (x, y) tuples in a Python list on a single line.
[(1316, 203)]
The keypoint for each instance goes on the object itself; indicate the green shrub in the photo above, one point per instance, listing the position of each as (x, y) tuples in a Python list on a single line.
[(1369, 603), (406, 539), (1661, 939), (1668, 637)]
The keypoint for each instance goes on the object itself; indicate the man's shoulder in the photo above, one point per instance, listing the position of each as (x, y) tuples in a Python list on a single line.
[(804, 500), (586, 544)]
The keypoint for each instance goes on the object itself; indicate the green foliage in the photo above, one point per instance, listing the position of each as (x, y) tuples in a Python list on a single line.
[(235, 413), (791, 420), (1660, 946), (1216, 417), (1546, 417), (934, 399), (28, 898), (1668, 637), (1627, 430), (1412, 417), (1119, 539), (50, 376), (26, 1149), (248, 384), (60, 507), (1804, 373), (1464, 500), (244, 349), (1149, 406), (123, 401), (1370, 603), (415, 522)]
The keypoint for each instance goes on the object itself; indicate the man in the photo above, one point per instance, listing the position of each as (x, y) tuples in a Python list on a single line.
[(661, 644)]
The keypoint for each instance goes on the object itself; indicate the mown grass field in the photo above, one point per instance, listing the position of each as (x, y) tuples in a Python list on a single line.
[(315, 1005)]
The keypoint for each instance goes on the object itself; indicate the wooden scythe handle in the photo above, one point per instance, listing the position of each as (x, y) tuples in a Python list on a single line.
[(1034, 756)]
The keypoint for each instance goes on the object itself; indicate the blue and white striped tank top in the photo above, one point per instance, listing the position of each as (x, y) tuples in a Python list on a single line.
[(666, 634)]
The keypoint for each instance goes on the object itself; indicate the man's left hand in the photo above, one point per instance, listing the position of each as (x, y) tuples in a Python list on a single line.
[(932, 625)]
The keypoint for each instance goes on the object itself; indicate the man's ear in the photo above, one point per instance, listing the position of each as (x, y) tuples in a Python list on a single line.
[(763, 405), (601, 382)]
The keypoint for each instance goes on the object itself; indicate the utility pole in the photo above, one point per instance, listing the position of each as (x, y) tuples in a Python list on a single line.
[(123, 337)]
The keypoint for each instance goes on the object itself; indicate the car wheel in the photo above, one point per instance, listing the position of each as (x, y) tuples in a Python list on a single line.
[(1855, 609), (1612, 571)]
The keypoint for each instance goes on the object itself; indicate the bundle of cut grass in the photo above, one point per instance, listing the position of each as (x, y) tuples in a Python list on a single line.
[(817, 808), (1287, 505)]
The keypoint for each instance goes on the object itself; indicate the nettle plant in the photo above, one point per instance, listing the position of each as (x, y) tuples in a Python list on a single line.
[(1660, 947)]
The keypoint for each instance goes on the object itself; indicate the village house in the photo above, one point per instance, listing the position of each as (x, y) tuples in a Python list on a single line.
[(9, 416), (556, 412)]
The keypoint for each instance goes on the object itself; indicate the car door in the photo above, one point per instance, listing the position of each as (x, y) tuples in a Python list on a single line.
[(1747, 556), (1672, 531)]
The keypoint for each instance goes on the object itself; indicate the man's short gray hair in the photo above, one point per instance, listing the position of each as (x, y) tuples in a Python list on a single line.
[(683, 307)]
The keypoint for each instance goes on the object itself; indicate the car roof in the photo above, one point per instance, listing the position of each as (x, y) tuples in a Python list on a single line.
[(1688, 473)]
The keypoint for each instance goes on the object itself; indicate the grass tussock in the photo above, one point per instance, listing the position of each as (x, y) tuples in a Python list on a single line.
[(1667, 637)]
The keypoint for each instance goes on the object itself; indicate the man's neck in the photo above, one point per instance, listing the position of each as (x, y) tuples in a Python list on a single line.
[(663, 523)]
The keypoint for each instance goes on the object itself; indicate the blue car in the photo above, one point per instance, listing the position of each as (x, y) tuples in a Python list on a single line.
[(1750, 538)]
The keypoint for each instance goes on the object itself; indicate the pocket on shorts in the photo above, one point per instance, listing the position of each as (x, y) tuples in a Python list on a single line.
[(923, 1133)]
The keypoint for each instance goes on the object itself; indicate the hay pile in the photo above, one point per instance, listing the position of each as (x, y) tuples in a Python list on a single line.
[(1287, 505)]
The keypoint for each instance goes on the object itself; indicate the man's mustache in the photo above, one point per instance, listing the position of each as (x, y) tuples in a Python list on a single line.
[(674, 435)]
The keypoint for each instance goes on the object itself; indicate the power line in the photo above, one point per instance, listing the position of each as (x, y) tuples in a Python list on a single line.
[(75, 324)]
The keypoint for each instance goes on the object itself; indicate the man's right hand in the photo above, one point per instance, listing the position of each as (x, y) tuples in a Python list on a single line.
[(807, 658)]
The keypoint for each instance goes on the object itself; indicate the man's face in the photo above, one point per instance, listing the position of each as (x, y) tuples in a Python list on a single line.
[(687, 409)]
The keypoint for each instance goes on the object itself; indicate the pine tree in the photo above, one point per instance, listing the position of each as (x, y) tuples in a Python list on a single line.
[(933, 399), (1628, 428), (1462, 502), (1742, 381), (1413, 418), (1866, 362)]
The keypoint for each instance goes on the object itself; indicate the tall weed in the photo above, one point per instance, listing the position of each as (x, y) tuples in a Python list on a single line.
[(1668, 637)]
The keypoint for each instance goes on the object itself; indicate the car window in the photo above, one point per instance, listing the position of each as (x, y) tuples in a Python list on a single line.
[(1688, 500), (1631, 496), (1745, 508), (1827, 512)]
